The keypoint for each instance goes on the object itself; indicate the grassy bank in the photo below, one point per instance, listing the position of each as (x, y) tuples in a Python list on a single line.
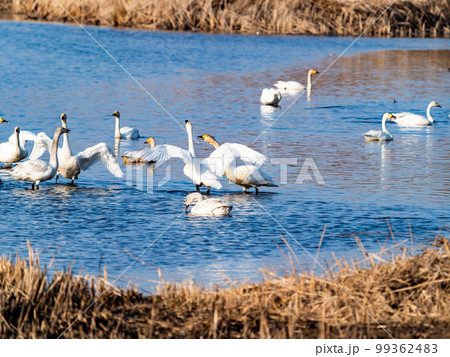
[(408, 295), (406, 18)]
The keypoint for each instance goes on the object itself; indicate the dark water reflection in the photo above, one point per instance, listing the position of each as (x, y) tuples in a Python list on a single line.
[(215, 82)]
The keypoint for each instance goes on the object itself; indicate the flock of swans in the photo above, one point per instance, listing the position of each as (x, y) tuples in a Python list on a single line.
[(203, 173)]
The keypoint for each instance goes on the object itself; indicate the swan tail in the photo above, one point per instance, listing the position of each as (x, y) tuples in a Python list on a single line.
[(222, 210)]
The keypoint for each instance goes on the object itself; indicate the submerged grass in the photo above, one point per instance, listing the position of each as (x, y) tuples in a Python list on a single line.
[(405, 18), (407, 294)]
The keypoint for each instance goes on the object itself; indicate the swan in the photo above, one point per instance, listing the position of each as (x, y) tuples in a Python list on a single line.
[(208, 207), (246, 176), (270, 96), (295, 86), (3, 120), (384, 135), (14, 149), (126, 132), (37, 171), (135, 157), (410, 119), (199, 173), (71, 165)]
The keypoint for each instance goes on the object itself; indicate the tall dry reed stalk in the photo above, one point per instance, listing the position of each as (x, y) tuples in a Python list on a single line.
[(408, 295), (406, 18)]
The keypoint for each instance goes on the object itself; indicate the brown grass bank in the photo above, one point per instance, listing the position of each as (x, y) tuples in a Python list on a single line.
[(408, 296), (405, 18)]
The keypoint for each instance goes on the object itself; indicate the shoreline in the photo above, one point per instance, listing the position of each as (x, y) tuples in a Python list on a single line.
[(406, 18), (407, 296)]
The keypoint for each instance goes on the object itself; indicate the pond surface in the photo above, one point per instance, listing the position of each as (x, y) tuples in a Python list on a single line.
[(215, 82)]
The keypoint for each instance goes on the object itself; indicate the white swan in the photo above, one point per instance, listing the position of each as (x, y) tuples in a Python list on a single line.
[(246, 176), (37, 171), (194, 169), (71, 165), (14, 149), (135, 157), (384, 135), (293, 85), (3, 120), (126, 132), (208, 207), (410, 119), (270, 96)]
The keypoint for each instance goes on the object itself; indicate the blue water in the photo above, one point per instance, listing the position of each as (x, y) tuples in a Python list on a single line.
[(215, 82)]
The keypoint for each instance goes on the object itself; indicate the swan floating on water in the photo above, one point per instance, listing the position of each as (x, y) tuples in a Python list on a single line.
[(206, 207), (295, 86), (270, 96), (14, 149), (246, 176), (71, 165), (413, 120), (126, 132), (135, 157), (384, 135), (37, 171), (3, 120)]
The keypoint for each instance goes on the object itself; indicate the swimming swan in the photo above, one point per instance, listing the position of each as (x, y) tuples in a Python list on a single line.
[(410, 119), (208, 207), (71, 165), (194, 169), (246, 176), (126, 132), (135, 157), (295, 86), (384, 135), (270, 96), (14, 149), (37, 171)]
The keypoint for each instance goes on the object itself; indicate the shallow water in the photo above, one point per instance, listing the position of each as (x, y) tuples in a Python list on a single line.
[(215, 82)]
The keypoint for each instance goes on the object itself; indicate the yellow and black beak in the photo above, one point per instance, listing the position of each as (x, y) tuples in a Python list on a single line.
[(3, 120), (438, 105), (17, 129), (316, 72)]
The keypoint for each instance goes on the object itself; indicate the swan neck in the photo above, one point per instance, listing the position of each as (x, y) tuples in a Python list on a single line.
[(117, 131), (66, 146), (54, 150), (190, 140), (215, 143), (309, 81), (383, 125), (430, 118), (17, 140)]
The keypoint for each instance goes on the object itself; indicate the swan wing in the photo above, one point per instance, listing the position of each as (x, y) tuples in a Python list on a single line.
[(162, 153), (406, 118), (100, 152), (29, 169), (24, 136), (42, 143), (129, 132), (221, 158)]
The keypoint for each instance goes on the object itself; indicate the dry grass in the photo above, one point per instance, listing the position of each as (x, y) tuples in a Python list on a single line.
[(409, 297), (406, 18)]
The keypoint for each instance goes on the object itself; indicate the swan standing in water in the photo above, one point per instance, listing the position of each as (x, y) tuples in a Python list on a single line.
[(208, 207), (71, 165), (135, 157), (384, 135), (126, 132), (413, 120), (270, 96), (295, 86), (194, 169), (246, 176), (37, 171), (14, 149)]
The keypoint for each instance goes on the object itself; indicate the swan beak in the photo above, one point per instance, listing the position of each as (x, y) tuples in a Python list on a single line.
[(3, 120), (393, 116), (316, 72), (201, 137), (437, 105), (187, 206)]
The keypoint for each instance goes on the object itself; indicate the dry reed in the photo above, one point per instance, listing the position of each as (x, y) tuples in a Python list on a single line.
[(406, 18), (408, 296)]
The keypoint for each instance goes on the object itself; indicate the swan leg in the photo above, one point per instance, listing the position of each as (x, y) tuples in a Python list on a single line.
[(256, 190), (1, 181), (197, 187), (207, 191), (72, 183), (57, 177), (32, 185)]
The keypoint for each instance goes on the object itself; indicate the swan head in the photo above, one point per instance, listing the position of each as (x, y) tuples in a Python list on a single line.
[(208, 138), (313, 71), (2, 120), (191, 198), (64, 117), (60, 130), (188, 124), (435, 104), (151, 141), (116, 114), (388, 116), (17, 130)]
